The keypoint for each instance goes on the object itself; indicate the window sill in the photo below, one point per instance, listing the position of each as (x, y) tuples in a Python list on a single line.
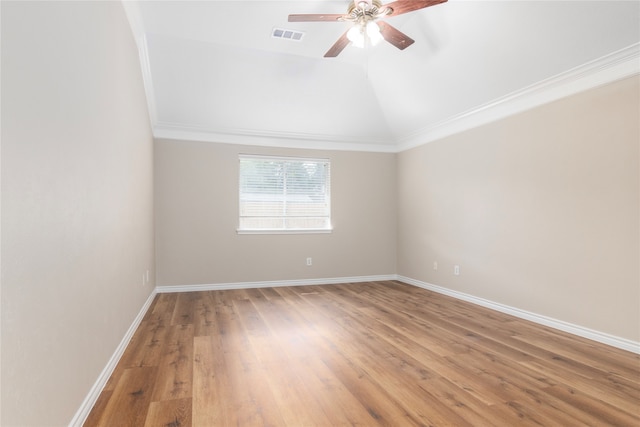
[(277, 231)]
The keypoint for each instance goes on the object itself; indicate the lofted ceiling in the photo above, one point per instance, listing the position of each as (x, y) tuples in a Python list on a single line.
[(213, 71)]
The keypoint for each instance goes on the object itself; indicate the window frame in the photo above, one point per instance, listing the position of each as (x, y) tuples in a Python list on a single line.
[(326, 161)]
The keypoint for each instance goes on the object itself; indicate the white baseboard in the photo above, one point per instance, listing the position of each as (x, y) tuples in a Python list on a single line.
[(614, 341), (92, 397), (581, 331), (273, 284), (84, 410)]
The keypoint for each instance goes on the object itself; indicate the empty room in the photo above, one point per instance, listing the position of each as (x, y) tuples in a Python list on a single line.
[(320, 213)]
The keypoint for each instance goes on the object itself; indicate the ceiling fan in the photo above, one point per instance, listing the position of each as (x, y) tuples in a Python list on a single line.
[(368, 28)]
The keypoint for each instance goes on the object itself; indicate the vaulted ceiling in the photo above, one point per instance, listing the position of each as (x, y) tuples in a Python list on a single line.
[(213, 71)]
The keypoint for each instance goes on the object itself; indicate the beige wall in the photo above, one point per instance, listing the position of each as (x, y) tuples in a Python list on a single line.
[(77, 207), (540, 210), (197, 216)]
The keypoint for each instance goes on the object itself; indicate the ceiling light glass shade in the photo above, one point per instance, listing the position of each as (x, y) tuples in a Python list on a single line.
[(373, 32), (359, 33), (356, 36)]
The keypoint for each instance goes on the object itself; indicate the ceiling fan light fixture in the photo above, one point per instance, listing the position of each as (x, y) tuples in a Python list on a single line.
[(366, 16)]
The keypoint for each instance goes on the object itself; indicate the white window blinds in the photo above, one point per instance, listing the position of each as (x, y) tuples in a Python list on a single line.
[(279, 194)]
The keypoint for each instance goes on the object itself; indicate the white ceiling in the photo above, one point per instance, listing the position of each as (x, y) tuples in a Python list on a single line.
[(213, 72)]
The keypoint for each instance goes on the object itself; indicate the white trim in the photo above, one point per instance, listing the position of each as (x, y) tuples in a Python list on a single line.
[(581, 331), (614, 341), (285, 231), (243, 156), (609, 68), (273, 284), (176, 131), (87, 405), (132, 10), (601, 337), (147, 82)]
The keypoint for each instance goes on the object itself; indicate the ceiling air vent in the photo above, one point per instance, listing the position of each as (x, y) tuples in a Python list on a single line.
[(281, 33)]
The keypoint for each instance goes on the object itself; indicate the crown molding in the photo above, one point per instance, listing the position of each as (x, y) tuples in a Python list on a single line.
[(607, 69), (164, 130), (132, 11)]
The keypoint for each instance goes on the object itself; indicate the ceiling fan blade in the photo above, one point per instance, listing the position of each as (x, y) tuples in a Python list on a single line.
[(403, 6), (395, 36), (338, 46), (315, 17)]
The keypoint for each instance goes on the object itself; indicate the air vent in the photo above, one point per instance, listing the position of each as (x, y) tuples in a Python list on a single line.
[(281, 33)]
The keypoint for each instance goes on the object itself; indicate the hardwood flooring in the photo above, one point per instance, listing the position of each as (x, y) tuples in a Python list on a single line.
[(366, 354)]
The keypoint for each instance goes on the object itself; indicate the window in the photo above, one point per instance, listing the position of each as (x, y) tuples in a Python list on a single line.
[(280, 194)]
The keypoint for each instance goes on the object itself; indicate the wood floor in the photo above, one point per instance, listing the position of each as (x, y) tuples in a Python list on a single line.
[(366, 354)]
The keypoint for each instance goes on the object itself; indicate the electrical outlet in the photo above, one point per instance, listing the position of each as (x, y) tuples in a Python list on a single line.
[(456, 270), (435, 265), (309, 261)]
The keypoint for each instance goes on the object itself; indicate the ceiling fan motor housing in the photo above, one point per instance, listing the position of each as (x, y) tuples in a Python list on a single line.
[(365, 10)]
